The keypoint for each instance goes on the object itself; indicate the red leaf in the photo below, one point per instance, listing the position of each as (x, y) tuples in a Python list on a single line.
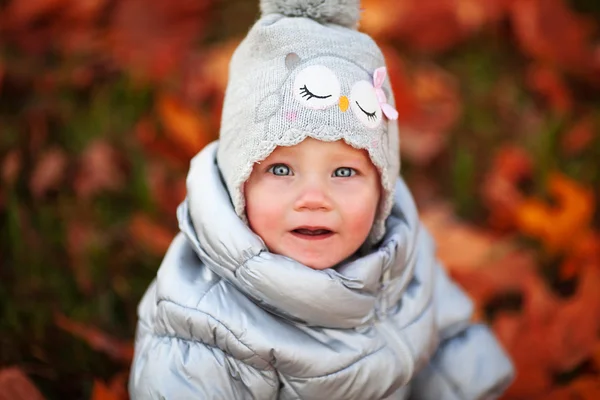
[(547, 82), (98, 340), (167, 191), (579, 137), (152, 37), (15, 385), (185, 126), (438, 103), (20, 13), (430, 25), (550, 31), (148, 137), (48, 172), (500, 191), (152, 236), (99, 170), (11, 167), (116, 389)]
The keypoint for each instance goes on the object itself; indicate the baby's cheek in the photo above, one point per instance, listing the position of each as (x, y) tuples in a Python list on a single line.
[(361, 214), (264, 215)]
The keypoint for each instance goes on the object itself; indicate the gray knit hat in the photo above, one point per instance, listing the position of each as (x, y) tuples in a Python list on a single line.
[(302, 71)]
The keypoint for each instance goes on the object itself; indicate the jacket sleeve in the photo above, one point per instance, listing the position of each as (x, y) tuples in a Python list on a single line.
[(469, 364), (173, 368)]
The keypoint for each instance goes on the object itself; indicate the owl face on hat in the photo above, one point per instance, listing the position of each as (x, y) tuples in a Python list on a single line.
[(326, 92)]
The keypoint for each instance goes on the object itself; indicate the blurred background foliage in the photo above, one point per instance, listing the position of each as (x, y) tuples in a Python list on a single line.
[(104, 102)]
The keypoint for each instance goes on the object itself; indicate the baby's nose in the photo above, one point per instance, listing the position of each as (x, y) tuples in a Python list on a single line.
[(313, 196)]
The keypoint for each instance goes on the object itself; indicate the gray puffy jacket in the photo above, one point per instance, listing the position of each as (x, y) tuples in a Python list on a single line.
[(227, 319)]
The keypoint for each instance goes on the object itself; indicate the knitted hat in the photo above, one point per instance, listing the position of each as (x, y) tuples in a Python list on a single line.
[(302, 71)]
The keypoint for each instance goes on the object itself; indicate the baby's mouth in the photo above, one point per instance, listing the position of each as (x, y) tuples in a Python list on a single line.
[(312, 233)]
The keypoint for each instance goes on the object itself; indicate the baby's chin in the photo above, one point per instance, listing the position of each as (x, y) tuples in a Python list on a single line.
[(316, 261)]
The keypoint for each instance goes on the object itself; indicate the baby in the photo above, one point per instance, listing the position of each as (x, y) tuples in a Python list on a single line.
[(301, 270)]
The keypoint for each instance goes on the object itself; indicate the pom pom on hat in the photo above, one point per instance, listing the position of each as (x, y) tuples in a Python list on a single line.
[(341, 12)]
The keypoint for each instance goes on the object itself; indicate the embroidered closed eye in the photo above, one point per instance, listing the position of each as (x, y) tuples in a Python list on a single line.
[(307, 94), (372, 116), (317, 87), (365, 105)]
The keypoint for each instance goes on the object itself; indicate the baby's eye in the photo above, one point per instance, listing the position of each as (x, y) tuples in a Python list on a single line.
[(344, 172), (280, 170)]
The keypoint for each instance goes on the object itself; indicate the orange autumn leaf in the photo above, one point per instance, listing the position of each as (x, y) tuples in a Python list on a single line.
[(548, 82), (154, 145), (184, 126), (116, 389), (585, 250), (586, 388), (550, 31), (116, 349), (500, 191), (581, 135), (566, 326), (15, 385), (557, 227), (452, 236), (149, 234)]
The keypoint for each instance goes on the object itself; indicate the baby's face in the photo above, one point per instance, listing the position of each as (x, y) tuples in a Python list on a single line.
[(314, 202)]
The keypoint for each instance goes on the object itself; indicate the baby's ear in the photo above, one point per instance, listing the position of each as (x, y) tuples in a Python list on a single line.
[(292, 60), (267, 107)]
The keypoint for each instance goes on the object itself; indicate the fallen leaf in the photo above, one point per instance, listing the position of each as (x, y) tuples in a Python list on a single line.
[(154, 237), (547, 82), (48, 172), (406, 101), (586, 388), (558, 226), (430, 25), (215, 66), (500, 189), (453, 236), (11, 167), (15, 385), (438, 104), (99, 170), (551, 32), (18, 14), (579, 137), (116, 349), (184, 126), (566, 327), (153, 145), (116, 389), (166, 190), (152, 38)]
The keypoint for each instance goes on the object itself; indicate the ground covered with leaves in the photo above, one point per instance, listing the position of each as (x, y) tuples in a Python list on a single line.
[(104, 102)]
